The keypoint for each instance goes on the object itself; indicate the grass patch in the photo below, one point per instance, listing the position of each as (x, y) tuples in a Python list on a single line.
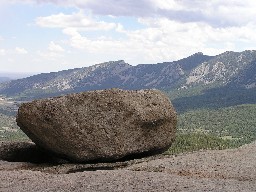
[(190, 142), (16, 135)]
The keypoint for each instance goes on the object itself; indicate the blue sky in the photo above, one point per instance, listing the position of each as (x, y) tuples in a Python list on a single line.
[(51, 35)]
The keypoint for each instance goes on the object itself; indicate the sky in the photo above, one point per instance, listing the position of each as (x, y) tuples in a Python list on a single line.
[(52, 35)]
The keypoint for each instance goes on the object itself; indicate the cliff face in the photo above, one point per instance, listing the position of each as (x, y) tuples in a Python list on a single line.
[(229, 67)]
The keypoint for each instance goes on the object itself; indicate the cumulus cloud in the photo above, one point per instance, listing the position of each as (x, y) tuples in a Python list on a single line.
[(172, 29), (121, 7), (217, 13), (21, 50), (166, 40), (55, 47), (55, 52), (75, 20), (111, 7), (2, 52), (150, 44)]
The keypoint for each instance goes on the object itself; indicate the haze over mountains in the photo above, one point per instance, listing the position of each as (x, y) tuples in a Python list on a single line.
[(229, 69), (4, 79), (8, 76)]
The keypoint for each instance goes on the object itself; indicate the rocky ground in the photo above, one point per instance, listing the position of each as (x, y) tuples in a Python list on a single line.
[(226, 170)]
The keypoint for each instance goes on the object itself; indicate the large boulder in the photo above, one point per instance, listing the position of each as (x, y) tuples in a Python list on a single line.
[(101, 125)]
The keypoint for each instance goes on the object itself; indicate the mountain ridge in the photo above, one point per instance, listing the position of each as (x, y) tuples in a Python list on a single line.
[(229, 68)]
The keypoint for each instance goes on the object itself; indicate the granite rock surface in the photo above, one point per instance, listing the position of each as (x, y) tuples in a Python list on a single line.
[(102, 125)]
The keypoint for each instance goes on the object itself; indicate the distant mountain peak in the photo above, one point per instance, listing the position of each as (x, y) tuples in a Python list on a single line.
[(193, 61), (198, 53), (224, 69), (111, 64)]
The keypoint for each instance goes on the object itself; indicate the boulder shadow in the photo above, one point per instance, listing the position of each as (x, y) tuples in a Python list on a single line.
[(26, 152)]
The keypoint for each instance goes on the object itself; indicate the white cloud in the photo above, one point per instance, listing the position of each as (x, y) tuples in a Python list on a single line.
[(172, 29), (49, 55), (53, 53), (151, 44), (21, 50), (55, 47), (111, 7), (217, 13), (167, 4), (2, 52), (75, 20), (165, 40)]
